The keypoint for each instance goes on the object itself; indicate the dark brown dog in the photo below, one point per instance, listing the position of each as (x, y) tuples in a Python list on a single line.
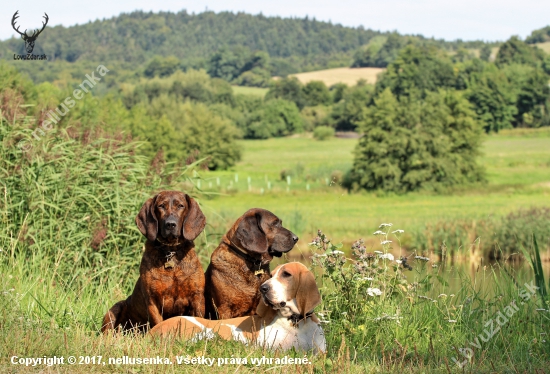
[(171, 280), (240, 264)]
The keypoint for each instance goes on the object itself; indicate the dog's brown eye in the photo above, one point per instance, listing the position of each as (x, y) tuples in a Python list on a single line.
[(181, 206), (162, 206), (286, 274)]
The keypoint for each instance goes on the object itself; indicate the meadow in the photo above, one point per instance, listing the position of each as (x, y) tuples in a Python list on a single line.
[(299, 178), (69, 249)]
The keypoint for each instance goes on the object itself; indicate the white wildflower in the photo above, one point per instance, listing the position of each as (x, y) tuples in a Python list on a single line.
[(385, 225), (374, 292), (452, 321), (442, 295), (366, 279), (398, 231), (387, 256), (378, 252), (338, 252), (399, 261), (385, 242), (378, 232)]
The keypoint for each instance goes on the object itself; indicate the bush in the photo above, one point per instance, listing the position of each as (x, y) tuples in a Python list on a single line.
[(314, 116), (323, 133), (274, 119)]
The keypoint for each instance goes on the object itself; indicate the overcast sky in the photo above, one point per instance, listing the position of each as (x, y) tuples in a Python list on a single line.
[(465, 19)]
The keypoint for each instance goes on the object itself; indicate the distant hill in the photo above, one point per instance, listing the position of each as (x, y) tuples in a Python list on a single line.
[(134, 38)]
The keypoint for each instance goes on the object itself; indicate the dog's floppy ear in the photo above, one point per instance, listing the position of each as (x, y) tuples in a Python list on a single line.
[(250, 236), (146, 220), (194, 221), (307, 295)]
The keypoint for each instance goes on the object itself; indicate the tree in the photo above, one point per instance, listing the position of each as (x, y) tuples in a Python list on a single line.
[(316, 93), (349, 111), (417, 70), (514, 51), (275, 118), (533, 102), (493, 99), (378, 54), (485, 52), (288, 89), (410, 145), (162, 66), (203, 134)]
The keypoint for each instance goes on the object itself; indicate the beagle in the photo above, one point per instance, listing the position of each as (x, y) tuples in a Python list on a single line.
[(284, 319)]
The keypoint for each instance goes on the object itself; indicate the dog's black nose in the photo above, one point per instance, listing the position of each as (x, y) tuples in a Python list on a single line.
[(282, 304), (170, 224), (295, 238), (264, 288)]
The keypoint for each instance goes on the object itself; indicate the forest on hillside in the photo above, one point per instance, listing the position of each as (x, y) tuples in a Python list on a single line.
[(293, 44)]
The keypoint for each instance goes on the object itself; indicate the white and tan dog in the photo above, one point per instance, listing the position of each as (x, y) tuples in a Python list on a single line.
[(284, 319)]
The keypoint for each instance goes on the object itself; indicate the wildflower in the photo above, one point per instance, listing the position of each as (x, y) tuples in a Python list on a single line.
[(366, 279), (434, 265), (337, 252), (399, 261), (398, 231), (422, 258), (385, 225), (387, 256), (373, 292), (385, 242), (442, 295), (452, 321), (378, 232), (378, 252)]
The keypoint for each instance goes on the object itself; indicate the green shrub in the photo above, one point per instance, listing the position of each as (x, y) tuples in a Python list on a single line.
[(323, 133), (418, 144)]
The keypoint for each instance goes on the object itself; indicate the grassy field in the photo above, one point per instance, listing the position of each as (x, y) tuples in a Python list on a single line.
[(70, 249), (518, 171), (348, 76), (544, 46)]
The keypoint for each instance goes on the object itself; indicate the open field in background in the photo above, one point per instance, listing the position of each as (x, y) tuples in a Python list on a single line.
[(518, 171), (544, 46), (348, 76)]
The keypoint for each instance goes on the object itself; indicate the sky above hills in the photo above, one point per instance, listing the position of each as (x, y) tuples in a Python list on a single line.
[(467, 19)]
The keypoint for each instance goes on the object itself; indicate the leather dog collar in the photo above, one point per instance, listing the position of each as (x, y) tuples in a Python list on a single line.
[(169, 244), (242, 254), (296, 318)]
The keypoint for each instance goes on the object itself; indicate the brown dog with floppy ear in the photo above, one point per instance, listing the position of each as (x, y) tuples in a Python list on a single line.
[(240, 264), (171, 280)]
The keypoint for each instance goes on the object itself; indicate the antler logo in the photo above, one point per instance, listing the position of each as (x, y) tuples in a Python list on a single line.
[(29, 39)]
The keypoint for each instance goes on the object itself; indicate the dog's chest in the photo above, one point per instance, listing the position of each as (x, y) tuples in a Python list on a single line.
[(282, 334)]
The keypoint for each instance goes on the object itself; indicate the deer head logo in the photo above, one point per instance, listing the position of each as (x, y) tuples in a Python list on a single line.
[(29, 39)]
